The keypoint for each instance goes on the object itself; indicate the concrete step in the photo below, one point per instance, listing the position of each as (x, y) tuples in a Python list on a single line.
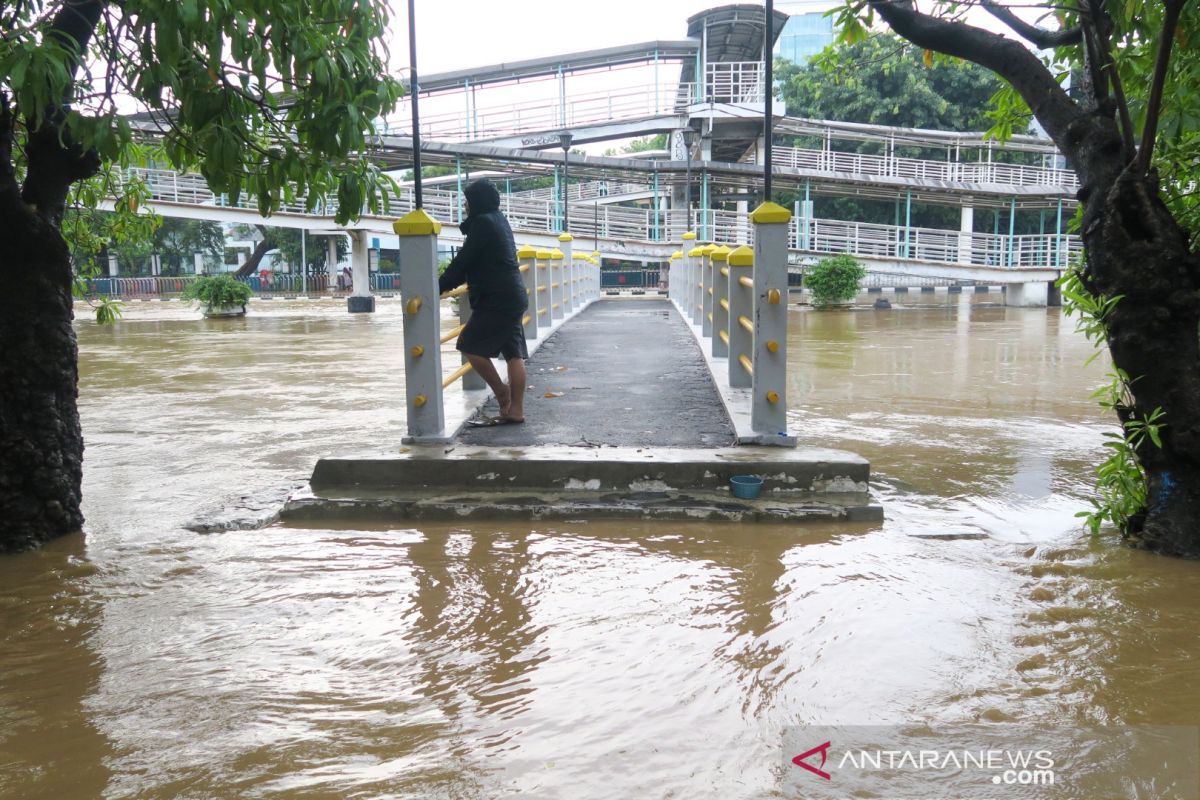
[(565, 482)]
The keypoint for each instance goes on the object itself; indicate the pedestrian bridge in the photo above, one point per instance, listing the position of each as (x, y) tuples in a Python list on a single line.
[(637, 407)]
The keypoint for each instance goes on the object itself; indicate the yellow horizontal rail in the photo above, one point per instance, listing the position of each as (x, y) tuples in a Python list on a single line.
[(458, 373), (725, 271), (710, 317), (710, 291), (724, 304), (747, 282), (525, 320), (556, 305), (459, 292), (523, 268), (542, 311), (746, 363), (452, 334), (745, 323), (541, 288), (724, 336)]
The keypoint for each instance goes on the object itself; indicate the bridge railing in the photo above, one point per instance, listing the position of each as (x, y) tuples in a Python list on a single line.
[(825, 160), (545, 113), (558, 285), (736, 302), (542, 214)]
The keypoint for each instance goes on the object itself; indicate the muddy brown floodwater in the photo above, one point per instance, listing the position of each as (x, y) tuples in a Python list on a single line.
[(573, 660)]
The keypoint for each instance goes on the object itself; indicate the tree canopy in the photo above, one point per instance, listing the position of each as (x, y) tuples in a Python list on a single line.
[(883, 80)]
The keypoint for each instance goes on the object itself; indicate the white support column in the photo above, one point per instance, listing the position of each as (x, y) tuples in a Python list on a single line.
[(557, 302), (113, 268), (720, 341), (1027, 295), (545, 293), (566, 242), (966, 228), (527, 259), (360, 299), (197, 263), (594, 283), (331, 263), (155, 264), (706, 294), (741, 307), (422, 327), (768, 406)]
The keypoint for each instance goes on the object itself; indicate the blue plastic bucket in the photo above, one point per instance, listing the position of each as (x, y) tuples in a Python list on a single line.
[(746, 487)]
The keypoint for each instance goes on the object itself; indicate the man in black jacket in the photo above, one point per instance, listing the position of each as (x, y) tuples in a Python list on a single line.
[(487, 263)]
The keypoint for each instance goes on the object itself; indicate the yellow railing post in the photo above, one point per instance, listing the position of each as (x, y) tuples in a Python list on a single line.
[(768, 410), (545, 293), (566, 242), (527, 259), (422, 326), (716, 318), (558, 297), (741, 304)]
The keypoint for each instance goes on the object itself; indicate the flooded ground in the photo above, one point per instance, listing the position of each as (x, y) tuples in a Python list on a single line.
[(581, 660)]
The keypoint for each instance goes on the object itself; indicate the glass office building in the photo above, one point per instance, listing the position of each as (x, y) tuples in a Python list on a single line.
[(803, 36)]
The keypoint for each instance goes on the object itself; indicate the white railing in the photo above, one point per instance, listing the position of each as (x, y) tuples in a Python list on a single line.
[(546, 113), (825, 160), (593, 219), (734, 82)]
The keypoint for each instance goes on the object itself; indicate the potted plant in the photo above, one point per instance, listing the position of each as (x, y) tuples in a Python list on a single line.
[(220, 295), (834, 281)]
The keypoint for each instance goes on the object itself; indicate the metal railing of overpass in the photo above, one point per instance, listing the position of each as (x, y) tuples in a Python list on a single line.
[(608, 223)]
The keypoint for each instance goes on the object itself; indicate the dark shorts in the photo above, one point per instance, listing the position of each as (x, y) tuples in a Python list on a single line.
[(493, 334)]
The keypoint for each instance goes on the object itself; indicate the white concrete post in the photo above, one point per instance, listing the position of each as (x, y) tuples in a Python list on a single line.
[(331, 263), (558, 296), (712, 297), (544, 292), (768, 406), (155, 265), (361, 300), (527, 259), (720, 341), (673, 276), (741, 306), (966, 228), (594, 285), (683, 292), (566, 242), (1027, 295), (197, 263), (706, 296), (422, 327), (113, 268), (702, 270)]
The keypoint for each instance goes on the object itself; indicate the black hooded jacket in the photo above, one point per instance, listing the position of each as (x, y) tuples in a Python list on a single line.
[(487, 262)]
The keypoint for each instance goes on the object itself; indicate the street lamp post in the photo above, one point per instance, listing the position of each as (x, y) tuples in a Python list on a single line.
[(564, 141), (689, 138)]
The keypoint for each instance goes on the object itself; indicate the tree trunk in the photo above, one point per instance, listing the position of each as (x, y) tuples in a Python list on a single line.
[(1136, 249), (41, 444), (251, 266)]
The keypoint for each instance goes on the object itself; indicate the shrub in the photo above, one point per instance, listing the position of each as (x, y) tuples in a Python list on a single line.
[(214, 291), (834, 280)]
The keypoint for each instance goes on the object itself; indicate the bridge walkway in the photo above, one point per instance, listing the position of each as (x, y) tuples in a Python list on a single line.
[(624, 373)]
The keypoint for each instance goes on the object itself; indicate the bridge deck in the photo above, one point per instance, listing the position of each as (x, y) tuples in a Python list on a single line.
[(626, 373), (634, 427)]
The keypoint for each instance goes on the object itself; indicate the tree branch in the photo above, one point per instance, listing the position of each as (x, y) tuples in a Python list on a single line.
[(1041, 37), (1008, 58), (1154, 104), (1100, 28)]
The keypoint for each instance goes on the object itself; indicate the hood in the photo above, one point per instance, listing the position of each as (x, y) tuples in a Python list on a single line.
[(483, 196)]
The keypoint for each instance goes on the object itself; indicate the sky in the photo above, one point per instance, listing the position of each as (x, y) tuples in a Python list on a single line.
[(457, 34)]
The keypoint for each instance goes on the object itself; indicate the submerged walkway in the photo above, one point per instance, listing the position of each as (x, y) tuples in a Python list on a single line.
[(625, 373)]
